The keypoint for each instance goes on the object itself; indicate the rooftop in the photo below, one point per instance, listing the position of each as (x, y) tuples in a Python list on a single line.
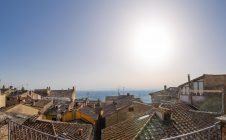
[(119, 102), (41, 103), (72, 131), (183, 120)]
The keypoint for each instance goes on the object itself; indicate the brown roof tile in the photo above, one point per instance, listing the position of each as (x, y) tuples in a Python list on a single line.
[(62, 129), (183, 120)]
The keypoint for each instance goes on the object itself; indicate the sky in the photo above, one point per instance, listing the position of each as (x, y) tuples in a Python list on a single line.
[(101, 44)]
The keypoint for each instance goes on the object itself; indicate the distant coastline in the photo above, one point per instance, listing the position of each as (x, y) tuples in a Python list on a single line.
[(101, 94)]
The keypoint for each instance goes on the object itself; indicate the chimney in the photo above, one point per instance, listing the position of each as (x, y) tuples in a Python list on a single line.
[(98, 102), (59, 116), (73, 94), (33, 103), (94, 105), (80, 132), (86, 101), (22, 89), (165, 87), (164, 114), (114, 103), (48, 90), (3, 87), (189, 85)]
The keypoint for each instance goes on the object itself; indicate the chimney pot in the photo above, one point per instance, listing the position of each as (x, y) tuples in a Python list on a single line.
[(80, 132), (164, 114), (165, 87)]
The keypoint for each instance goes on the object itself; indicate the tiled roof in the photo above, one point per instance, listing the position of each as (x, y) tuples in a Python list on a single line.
[(183, 120), (41, 103), (18, 93), (41, 92), (90, 111), (58, 107), (119, 103), (61, 93), (62, 129), (126, 130)]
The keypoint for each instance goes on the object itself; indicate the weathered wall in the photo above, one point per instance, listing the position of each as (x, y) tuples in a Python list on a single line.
[(2, 100), (124, 114), (68, 116), (35, 96), (85, 117), (139, 108), (216, 82), (111, 119)]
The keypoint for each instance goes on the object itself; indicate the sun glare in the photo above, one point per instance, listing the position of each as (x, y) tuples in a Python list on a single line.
[(152, 43)]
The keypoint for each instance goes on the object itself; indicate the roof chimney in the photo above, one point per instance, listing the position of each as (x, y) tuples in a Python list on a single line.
[(189, 80), (48, 90), (33, 103), (189, 85), (98, 102), (80, 132), (3, 87), (22, 89), (165, 87), (164, 114), (73, 94)]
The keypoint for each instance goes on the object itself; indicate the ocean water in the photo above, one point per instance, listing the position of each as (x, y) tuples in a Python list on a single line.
[(142, 94)]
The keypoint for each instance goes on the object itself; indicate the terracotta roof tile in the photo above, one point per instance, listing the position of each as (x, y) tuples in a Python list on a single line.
[(62, 129), (126, 130), (183, 120), (89, 111)]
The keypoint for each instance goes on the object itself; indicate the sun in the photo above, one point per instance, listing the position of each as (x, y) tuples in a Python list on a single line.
[(152, 43)]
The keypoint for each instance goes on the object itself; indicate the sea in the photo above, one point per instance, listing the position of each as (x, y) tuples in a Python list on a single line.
[(142, 94)]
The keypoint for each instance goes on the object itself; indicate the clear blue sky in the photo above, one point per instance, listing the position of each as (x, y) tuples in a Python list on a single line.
[(88, 43)]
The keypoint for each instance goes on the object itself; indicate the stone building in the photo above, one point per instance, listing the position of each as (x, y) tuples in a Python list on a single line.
[(167, 95), (78, 110), (168, 121), (63, 95), (4, 93), (2, 99), (43, 92), (205, 92), (122, 108)]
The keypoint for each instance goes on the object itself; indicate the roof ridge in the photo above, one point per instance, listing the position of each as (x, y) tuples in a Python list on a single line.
[(54, 131), (150, 117)]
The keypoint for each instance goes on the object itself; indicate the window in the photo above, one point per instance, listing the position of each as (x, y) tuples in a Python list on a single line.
[(198, 87)]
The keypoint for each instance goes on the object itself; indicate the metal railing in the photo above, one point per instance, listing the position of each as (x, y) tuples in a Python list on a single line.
[(209, 133), (21, 132)]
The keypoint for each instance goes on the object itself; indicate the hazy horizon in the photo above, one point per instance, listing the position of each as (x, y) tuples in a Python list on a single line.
[(106, 45)]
